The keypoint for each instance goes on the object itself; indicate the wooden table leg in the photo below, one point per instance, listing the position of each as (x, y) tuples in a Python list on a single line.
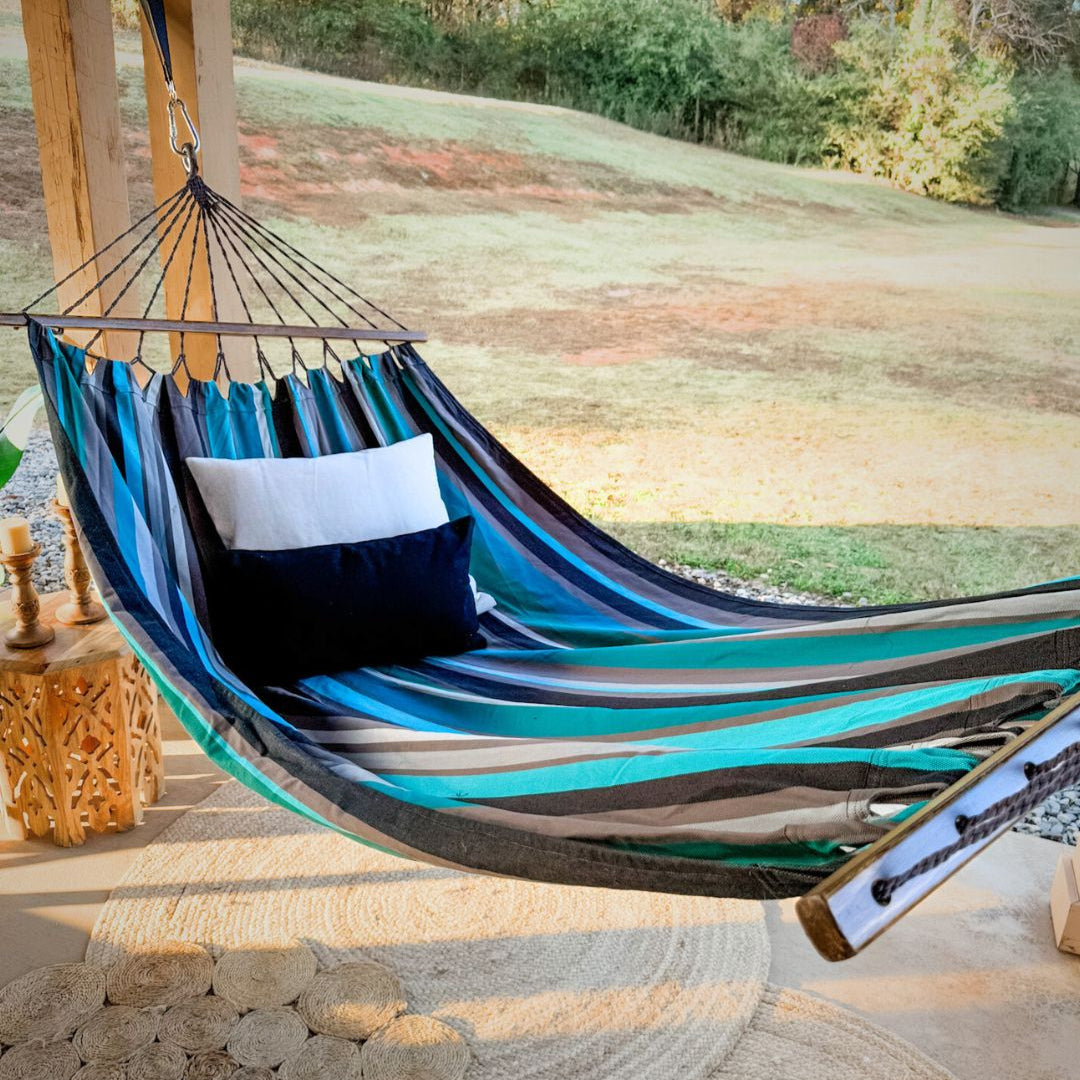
[(11, 822)]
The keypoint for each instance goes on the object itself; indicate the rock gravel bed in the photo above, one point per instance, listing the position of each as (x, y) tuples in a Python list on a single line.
[(29, 493), (34, 485)]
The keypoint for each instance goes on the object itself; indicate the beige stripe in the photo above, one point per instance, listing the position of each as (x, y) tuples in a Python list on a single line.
[(1063, 605), (835, 821)]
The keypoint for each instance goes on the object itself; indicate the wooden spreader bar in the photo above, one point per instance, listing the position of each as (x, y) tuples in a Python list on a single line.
[(226, 329), (841, 915)]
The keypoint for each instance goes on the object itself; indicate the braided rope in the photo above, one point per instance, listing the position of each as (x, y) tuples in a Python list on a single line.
[(155, 213), (254, 242), (273, 265), (254, 251), (169, 224), (220, 363), (164, 235), (254, 231), (219, 233), (1043, 778), (315, 268), (265, 369)]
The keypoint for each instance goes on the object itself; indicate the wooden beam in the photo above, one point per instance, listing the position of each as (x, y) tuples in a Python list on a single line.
[(200, 38), (69, 46)]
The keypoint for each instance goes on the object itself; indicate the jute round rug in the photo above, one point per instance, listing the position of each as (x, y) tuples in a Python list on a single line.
[(542, 981)]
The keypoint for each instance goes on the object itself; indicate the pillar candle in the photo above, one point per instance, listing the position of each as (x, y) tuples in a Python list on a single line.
[(61, 491), (15, 536)]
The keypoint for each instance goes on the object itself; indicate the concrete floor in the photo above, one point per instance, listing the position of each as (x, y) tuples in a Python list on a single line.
[(971, 977), (50, 896)]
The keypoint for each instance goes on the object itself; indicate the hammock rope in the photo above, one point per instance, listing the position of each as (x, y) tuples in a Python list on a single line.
[(1044, 778), (195, 228), (206, 229)]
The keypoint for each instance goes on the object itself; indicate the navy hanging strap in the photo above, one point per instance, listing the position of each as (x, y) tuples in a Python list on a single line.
[(154, 10), (187, 148)]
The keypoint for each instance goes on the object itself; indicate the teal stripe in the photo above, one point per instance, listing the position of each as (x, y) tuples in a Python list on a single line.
[(765, 653), (327, 404), (633, 769), (733, 727)]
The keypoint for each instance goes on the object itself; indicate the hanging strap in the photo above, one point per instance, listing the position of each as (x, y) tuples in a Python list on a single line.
[(154, 12)]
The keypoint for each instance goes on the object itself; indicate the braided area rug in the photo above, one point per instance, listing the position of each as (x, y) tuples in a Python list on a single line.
[(541, 980)]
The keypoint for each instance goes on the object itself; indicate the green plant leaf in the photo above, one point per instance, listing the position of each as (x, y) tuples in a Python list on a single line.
[(15, 430)]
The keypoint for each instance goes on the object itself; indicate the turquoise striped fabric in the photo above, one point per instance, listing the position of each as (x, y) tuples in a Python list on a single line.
[(623, 727)]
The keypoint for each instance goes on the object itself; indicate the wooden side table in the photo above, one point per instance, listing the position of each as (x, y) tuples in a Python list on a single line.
[(80, 734)]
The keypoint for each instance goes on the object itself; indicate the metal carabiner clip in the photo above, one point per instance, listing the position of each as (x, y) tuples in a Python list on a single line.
[(188, 149)]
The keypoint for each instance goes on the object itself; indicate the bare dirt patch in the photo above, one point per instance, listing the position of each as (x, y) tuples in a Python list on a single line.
[(313, 170), (622, 326), (21, 198)]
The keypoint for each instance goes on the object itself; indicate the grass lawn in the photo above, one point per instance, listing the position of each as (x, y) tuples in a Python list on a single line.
[(733, 363), (883, 564)]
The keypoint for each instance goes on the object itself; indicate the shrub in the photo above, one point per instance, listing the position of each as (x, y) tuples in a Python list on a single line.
[(1042, 140), (917, 107), (775, 110), (674, 69), (913, 98), (648, 64), (386, 40)]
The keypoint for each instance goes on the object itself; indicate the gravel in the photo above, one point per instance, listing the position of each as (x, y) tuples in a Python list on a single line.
[(758, 589), (29, 493), (34, 485)]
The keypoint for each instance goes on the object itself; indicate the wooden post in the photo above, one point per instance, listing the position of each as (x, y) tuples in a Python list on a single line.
[(200, 39), (69, 46)]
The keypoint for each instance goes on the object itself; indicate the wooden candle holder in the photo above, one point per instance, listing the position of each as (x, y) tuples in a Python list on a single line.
[(27, 633), (81, 609)]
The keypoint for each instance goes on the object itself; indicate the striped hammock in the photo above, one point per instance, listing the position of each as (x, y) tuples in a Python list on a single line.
[(623, 727)]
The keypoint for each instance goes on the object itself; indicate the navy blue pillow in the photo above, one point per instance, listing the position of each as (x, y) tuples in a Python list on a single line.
[(282, 615)]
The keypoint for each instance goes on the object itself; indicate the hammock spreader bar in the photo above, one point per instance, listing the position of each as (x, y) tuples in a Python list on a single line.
[(883, 882), (225, 329), (297, 298)]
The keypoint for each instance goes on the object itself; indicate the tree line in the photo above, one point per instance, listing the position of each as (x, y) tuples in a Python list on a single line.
[(974, 101)]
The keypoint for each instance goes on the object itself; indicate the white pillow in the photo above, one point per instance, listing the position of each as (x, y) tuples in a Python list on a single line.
[(276, 504)]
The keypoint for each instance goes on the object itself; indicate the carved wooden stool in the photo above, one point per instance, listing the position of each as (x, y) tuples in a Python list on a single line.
[(80, 735)]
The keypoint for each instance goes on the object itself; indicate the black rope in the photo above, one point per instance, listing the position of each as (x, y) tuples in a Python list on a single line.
[(296, 358), (220, 363), (260, 357), (263, 236), (181, 356), (255, 240), (155, 213), (254, 251), (161, 277), (274, 266), (257, 283), (311, 262), (162, 237), (1043, 779), (258, 235)]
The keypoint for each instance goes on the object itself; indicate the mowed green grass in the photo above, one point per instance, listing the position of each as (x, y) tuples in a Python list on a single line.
[(879, 564), (735, 363)]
